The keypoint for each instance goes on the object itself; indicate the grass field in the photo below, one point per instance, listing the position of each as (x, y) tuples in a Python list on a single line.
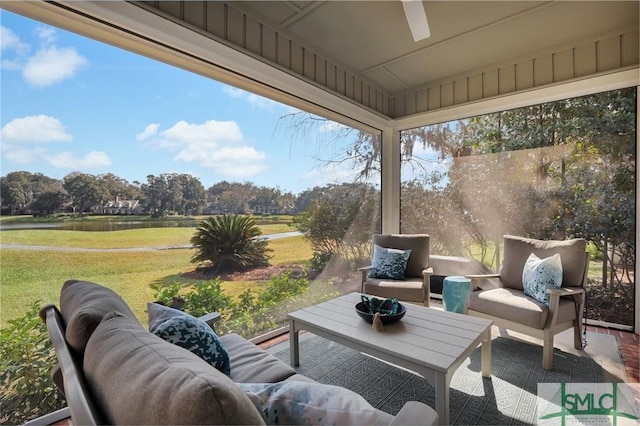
[(27, 276)]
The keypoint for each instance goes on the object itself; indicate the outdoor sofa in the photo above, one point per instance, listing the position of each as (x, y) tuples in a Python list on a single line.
[(113, 370)]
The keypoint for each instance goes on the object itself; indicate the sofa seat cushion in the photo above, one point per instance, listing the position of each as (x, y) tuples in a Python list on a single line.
[(514, 305), (83, 304), (252, 364), (138, 378), (300, 403), (408, 290)]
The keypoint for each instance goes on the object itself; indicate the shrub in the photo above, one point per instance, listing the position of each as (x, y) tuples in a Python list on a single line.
[(250, 315), (26, 358), (229, 243), (199, 299)]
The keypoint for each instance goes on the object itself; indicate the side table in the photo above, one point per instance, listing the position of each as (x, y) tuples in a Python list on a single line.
[(455, 292)]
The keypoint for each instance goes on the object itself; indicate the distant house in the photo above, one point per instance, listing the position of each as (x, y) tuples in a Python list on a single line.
[(122, 207)]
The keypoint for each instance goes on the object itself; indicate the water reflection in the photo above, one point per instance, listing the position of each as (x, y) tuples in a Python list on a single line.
[(98, 226)]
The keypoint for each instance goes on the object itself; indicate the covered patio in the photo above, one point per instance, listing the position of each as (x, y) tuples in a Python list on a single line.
[(358, 64)]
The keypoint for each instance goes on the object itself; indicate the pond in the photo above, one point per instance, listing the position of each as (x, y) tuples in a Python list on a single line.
[(97, 226)]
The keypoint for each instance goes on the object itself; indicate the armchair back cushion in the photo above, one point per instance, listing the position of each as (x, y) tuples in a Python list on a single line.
[(417, 243), (83, 304), (138, 378), (517, 251)]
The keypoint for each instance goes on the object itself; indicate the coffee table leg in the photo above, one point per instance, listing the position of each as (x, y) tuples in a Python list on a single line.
[(486, 353), (442, 398), (294, 350)]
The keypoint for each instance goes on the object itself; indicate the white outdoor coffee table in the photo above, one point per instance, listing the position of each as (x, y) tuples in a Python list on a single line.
[(428, 341)]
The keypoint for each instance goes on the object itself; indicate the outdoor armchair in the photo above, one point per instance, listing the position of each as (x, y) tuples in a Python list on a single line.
[(510, 308), (410, 284)]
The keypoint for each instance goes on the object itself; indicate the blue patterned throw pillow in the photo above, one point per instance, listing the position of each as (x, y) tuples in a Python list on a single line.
[(388, 263), (540, 274), (190, 333), (301, 403)]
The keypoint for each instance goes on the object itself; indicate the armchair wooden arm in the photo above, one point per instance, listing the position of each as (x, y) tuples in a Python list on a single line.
[(363, 271), (211, 318), (475, 279)]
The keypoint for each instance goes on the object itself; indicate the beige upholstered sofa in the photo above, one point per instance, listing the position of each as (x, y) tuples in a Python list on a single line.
[(114, 371)]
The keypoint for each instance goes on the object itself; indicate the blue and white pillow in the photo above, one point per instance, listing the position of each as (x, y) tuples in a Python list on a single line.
[(190, 333), (540, 274), (388, 263), (302, 403)]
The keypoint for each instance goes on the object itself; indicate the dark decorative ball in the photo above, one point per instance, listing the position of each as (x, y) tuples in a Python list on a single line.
[(366, 315)]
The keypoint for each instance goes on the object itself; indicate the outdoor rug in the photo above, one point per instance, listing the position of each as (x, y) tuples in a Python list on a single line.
[(508, 397)]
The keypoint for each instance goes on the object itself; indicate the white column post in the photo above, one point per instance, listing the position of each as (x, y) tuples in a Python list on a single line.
[(390, 158), (636, 325)]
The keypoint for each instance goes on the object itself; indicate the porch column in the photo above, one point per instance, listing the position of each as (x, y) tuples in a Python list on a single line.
[(390, 159), (636, 320)]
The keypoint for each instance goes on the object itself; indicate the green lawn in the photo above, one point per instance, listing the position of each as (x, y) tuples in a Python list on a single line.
[(28, 275), (147, 237)]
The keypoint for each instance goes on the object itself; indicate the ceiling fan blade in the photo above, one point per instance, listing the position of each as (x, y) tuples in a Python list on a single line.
[(417, 19)]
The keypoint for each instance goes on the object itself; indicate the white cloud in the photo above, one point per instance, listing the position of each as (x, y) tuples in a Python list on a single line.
[(49, 65), (254, 100), (218, 145), (10, 41), (331, 126), (21, 155), (46, 34), (150, 130), (332, 173), (24, 140), (92, 160), (34, 129), (52, 65)]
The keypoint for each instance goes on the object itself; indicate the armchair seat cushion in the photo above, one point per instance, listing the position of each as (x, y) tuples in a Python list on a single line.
[(408, 290), (513, 305)]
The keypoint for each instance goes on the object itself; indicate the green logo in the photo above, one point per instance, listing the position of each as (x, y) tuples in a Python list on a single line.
[(593, 403)]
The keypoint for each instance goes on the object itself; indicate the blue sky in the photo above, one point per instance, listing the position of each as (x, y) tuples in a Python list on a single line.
[(70, 103)]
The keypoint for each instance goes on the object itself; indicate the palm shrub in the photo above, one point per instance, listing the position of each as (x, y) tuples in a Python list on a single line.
[(229, 243)]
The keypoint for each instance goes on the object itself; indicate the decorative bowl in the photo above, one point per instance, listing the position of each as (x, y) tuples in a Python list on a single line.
[(364, 313)]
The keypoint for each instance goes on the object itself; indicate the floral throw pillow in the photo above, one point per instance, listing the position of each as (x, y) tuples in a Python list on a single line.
[(190, 333), (388, 263), (301, 403), (540, 274)]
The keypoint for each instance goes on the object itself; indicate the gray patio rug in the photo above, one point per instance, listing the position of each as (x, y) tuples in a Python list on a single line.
[(509, 397)]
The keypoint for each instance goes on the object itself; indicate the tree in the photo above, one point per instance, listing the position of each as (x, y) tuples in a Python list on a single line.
[(16, 191), (85, 191), (266, 200), (19, 189), (173, 193), (119, 188), (49, 202), (229, 243), (155, 194), (193, 194), (341, 222)]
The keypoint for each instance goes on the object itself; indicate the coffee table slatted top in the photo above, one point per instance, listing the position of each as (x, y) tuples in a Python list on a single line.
[(431, 337)]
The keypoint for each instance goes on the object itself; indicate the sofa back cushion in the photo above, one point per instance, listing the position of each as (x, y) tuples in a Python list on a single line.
[(517, 250), (138, 378), (417, 243), (83, 304)]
